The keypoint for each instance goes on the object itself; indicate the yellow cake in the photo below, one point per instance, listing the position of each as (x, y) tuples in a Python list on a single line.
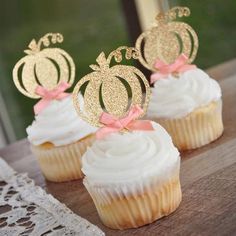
[(133, 178), (62, 163), (189, 107), (58, 140)]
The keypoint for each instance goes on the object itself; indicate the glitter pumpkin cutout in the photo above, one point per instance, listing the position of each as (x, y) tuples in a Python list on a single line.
[(111, 89), (168, 39), (46, 67)]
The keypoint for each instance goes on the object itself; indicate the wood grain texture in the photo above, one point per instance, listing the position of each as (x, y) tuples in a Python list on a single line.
[(208, 178)]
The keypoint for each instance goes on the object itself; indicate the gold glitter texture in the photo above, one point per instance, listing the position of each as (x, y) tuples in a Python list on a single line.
[(46, 67), (111, 89), (167, 39)]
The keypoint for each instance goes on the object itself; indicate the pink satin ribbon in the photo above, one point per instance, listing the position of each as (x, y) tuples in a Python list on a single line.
[(180, 65), (48, 95), (113, 124)]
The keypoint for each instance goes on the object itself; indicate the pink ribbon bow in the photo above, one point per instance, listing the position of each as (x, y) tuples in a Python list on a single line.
[(180, 65), (48, 95), (113, 124)]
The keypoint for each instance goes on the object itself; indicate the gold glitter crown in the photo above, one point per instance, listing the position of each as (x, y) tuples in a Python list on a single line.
[(46, 67), (167, 39), (111, 89)]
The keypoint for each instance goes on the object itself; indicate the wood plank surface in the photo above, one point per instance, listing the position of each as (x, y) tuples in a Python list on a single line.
[(208, 178)]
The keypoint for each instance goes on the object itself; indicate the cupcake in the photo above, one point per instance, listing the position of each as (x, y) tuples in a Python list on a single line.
[(185, 100), (132, 169), (59, 139), (189, 107), (133, 178)]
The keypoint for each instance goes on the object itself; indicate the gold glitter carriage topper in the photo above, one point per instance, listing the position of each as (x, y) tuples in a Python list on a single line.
[(111, 89), (43, 66), (167, 39)]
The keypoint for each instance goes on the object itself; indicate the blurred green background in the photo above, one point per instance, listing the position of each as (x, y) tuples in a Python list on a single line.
[(90, 27)]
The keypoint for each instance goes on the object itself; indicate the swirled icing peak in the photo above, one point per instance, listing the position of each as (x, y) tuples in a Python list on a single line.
[(176, 97), (58, 124), (129, 157)]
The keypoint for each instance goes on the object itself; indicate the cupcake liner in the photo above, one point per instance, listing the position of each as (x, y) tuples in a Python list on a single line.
[(62, 163), (121, 209), (199, 128)]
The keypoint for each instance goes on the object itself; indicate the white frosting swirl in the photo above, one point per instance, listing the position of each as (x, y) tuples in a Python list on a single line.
[(175, 98), (131, 157), (59, 124)]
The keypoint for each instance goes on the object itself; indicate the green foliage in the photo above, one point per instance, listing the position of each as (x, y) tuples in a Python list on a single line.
[(90, 27), (214, 21)]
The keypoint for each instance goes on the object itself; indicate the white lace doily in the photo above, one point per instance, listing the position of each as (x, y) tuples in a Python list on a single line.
[(26, 209)]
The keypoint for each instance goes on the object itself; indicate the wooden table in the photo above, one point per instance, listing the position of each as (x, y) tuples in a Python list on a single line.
[(208, 177)]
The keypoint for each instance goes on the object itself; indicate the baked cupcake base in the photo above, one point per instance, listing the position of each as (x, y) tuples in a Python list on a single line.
[(119, 210), (62, 163), (197, 129)]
